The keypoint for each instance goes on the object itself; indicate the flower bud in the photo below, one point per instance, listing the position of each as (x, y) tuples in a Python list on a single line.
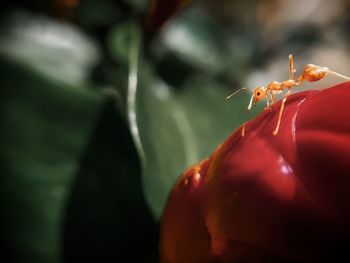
[(266, 198)]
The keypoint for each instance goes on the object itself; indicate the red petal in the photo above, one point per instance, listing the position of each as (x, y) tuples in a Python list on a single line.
[(272, 198)]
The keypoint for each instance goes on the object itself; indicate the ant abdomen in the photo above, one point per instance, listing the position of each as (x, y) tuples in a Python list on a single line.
[(314, 73)]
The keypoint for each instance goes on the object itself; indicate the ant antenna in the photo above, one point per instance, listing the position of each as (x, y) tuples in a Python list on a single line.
[(337, 74), (234, 93)]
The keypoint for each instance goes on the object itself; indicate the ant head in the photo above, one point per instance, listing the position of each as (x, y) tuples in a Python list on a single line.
[(259, 93)]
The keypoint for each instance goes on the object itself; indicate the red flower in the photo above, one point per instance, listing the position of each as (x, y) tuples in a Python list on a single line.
[(265, 198)]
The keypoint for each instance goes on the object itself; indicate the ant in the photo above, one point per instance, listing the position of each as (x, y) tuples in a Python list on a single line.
[(311, 73)]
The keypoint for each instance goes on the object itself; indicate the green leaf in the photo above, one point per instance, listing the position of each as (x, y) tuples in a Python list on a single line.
[(59, 51), (201, 43), (194, 37), (70, 176), (178, 129), (45, 128), (174, 129), (107, 219)]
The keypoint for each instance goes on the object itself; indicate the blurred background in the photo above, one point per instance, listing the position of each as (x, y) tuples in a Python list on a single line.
[(104, 103)]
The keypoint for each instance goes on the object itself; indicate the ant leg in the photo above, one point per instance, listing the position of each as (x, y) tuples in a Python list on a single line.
[(267, 100), (243, 129), (291, 66), (280, 113), (273, 98)]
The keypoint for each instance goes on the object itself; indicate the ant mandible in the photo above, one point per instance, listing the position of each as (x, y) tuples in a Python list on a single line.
[(311, 73)]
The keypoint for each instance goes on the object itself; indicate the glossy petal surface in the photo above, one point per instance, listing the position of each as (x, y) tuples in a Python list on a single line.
[(264, 198)]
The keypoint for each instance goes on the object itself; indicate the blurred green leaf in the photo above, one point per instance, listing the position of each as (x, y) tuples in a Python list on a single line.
[(178, 129), (139, 5), (55, 49), (200, 43), (119, 42), (93, 13), (45, 127), (174, 129), (70, 184), (194, 37), (107, 219)]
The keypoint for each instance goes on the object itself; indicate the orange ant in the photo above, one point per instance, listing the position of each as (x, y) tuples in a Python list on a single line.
[(311, 73)]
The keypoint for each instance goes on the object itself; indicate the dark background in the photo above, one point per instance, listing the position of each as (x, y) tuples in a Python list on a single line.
[(104, 103)]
